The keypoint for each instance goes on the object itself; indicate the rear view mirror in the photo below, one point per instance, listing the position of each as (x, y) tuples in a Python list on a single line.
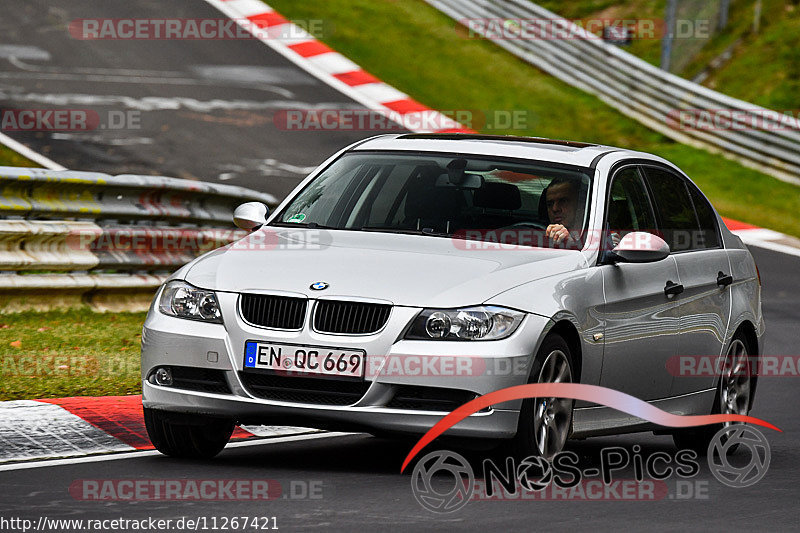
[(638, 247), (250, 216), (468, 181)]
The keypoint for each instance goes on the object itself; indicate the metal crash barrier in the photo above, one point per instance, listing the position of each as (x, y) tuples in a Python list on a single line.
[(108, 241), (756, 137)]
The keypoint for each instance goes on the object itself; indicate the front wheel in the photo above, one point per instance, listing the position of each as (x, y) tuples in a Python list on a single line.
[(546, 423), (187, 436)]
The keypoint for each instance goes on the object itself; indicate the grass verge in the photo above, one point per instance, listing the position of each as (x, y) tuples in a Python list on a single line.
[(69, 353), (420, 51)]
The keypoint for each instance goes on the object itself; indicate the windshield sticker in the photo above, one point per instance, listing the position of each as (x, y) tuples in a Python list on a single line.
[(299, 217)]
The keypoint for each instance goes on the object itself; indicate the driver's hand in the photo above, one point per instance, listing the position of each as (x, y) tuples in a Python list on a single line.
[(557, 233)]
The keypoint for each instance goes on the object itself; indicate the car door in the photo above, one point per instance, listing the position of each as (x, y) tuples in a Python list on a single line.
[(641, 320), (690, 228)]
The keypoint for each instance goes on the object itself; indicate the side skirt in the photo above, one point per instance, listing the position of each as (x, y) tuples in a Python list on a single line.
[(601, 420)]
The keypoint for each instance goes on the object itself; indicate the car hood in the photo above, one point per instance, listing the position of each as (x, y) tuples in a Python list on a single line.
[(409, 270)]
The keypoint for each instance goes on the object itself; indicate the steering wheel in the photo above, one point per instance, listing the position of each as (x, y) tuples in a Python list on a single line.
[(527, 224)]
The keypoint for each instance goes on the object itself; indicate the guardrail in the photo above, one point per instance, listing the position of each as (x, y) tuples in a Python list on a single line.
[(108, 240), (636, 88)]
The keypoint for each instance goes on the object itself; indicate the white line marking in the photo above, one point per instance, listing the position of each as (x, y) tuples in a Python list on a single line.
[(248, 8), (382, 92), (192, 82), (774, 246), (147, 453), (24, 151), (333, 63), (107, 71), (158, 103)]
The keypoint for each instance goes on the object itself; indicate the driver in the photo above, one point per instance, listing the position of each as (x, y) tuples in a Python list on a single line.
[(561, 199)]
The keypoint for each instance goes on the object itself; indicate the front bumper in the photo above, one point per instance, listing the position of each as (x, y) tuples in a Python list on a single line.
[(492, 365)]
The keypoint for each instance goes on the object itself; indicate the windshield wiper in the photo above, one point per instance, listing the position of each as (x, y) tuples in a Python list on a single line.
[(309, 225), (424, 231)]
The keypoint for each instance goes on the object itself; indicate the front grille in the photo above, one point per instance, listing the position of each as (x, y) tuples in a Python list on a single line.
[(352, 318), (429, 398), (319, 391), (200, 379), (279, 312)]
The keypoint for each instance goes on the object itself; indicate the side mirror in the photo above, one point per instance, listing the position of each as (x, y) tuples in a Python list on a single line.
[(250, 216), (638, 247)]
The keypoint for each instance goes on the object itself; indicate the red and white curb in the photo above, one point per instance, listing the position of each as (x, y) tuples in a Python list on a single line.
[(331, 67), (764, 238), (74, 427)]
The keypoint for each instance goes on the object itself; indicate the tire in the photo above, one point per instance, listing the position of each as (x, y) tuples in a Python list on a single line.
[(736, 377), (546, 423), (187, 436)]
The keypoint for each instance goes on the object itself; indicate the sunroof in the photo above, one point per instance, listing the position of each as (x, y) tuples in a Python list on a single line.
[(480, 137)]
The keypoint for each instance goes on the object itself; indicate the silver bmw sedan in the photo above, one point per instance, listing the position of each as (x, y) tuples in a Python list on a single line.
[(410, 274)]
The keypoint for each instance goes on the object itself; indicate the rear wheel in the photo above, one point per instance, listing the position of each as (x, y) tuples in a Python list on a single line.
[(732, 398), (187, 436), (546, 423)]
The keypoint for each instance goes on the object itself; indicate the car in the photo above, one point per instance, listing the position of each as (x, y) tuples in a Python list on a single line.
[(412, 273)]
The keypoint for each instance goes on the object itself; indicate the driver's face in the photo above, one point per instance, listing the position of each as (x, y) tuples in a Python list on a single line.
[(561, 205)]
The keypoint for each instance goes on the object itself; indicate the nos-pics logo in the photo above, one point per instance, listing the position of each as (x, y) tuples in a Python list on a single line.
[(443, 481)]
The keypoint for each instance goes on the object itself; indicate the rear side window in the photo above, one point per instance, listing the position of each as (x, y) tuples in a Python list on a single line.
[(676, 215), (706, 218)]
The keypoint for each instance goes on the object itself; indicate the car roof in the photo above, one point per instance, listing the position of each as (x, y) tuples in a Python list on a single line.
[(534, 148)]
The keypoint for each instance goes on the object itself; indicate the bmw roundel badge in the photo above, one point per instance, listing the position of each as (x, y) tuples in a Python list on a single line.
[(319, 285)]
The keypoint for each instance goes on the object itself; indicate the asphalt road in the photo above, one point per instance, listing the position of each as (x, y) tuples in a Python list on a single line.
[(358, 485), (198, 109)]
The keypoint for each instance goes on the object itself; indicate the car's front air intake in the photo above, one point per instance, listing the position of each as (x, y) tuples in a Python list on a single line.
[(320, 391), (353, 318), (279, 312)]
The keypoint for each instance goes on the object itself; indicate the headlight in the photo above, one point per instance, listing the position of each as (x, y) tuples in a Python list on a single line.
[(485, 323), (187, 301)]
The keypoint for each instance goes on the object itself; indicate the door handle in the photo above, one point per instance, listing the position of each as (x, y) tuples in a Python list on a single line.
[(723, 280), (672, 289)]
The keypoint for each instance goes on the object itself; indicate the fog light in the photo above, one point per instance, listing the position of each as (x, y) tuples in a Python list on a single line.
[(163, 377)]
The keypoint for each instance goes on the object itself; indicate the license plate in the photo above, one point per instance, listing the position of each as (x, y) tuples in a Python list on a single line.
[(292, 359)]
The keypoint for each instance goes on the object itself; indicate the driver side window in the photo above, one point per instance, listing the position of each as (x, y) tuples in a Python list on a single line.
[(628, 208)]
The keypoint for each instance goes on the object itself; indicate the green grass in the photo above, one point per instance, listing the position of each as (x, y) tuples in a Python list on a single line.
[(419, 50), (766, 67), (771, 54), (69, 353), (10, 158)]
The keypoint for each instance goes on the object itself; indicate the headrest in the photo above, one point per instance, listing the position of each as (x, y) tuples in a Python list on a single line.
[(495, 195)]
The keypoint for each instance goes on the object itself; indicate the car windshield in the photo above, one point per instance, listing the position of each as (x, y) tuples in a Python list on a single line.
[(440, 194)]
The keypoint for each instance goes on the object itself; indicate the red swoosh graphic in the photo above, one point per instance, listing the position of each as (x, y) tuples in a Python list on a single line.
[(577, 391)]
